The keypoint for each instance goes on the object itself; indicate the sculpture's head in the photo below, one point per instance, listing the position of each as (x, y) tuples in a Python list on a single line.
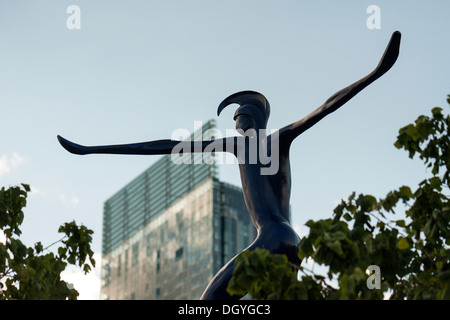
[(253, 112)]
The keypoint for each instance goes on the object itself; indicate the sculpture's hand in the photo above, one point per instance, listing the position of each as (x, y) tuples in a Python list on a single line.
[(151, 147), (72, 147), (290, 132), (390, 55)]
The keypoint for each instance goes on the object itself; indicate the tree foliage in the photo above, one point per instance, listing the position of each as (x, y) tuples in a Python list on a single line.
[(412, 253), (30, 272)]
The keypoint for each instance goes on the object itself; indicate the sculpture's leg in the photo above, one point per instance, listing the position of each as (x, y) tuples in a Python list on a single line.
[(281, 239), (217, 287)]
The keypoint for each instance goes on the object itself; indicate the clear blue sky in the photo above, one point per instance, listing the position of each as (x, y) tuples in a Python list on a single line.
[(138, 70)]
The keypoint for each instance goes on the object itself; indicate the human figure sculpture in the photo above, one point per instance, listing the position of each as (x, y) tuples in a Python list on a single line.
[(266, 195)]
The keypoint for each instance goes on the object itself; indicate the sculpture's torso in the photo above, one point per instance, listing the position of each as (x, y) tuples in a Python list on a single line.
[(267, 199)]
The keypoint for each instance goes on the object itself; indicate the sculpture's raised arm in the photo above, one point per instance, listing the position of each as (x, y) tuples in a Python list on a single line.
[(165, 146), (290, 132)]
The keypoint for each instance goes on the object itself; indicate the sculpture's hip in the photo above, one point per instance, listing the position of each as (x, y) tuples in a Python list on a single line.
[(278, 238)]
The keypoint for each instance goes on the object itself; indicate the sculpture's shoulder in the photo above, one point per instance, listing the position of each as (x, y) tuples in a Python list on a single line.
[(280, 140)]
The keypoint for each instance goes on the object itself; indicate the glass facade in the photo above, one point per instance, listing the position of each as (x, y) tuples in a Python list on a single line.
[(151, 193), (170, 230)]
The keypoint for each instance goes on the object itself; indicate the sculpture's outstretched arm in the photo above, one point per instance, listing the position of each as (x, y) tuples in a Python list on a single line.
[(152, 147), (290, 132)]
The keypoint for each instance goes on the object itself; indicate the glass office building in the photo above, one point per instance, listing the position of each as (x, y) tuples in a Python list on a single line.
[(167, 232)]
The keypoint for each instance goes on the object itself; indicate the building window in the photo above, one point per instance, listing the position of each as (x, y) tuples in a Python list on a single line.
[(158, 261), (135, 252), (180, 221), (107, 274), (126, 260), (119, 265), (149, 238), (157, 293), (179, 254)]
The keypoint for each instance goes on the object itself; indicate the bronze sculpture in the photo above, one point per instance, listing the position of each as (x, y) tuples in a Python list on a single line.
[(266, 195)]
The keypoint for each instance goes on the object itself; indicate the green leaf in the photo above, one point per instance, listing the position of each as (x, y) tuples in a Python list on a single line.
[(336, 247), (347, 217), (428, 227), (402, 244), (62, 252), (436, 183), (406, 192), (437, 112), (39, 247), (412, 131), (400, 223), (305, 248)]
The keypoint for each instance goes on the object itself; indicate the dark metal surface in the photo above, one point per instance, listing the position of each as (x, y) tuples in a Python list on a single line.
[(266, 195)]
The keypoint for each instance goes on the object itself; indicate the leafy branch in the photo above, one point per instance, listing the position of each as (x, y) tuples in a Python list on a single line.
[(28, 273)]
